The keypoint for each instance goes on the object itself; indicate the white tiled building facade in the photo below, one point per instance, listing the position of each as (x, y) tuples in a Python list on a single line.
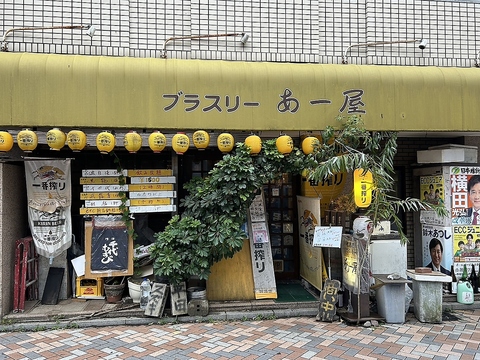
[(280, 31)]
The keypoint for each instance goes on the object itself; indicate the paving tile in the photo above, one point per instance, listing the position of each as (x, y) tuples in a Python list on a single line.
[(286, 338)]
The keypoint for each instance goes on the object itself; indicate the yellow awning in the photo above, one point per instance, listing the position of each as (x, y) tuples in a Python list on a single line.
[(120, 92)]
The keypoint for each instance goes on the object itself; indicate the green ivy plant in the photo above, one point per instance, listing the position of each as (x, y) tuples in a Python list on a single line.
[(215, 210), (209, 230)]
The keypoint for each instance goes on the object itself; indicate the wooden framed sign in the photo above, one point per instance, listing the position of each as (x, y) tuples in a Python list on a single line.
[(108, 249)]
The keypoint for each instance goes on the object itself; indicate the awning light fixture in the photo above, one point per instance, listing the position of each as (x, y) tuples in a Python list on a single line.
[(90, 31), (163, 55), (422, 45)]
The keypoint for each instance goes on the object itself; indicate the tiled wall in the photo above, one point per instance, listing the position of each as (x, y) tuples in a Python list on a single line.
[(280, 30)]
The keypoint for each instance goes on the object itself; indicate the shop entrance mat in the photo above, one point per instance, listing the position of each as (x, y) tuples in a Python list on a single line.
[(293, 293)]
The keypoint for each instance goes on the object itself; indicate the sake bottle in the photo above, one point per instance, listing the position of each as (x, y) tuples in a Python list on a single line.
[(464, 273), (473, 280), (453, 284)]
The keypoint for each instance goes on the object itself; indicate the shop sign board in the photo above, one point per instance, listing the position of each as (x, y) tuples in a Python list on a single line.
[(150, 187), (153, 180), (152, 209), (149, 172), (103, 203), (99, 180), (103, 173), (99, 196), (149, 202), (152, 194), (99, 211), (104, 188)]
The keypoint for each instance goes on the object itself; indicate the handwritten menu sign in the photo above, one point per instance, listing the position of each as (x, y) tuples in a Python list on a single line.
[(327, 236)]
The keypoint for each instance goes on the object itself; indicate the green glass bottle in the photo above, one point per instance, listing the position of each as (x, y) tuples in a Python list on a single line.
[(464, 273)]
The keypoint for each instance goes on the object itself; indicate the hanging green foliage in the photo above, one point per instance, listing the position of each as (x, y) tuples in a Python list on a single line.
[(216, 207)]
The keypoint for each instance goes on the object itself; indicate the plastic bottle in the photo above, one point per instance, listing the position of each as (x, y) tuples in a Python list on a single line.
[(453, 284), (145, 289)]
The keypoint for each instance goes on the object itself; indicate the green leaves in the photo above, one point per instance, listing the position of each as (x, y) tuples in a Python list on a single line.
[(216, 207)]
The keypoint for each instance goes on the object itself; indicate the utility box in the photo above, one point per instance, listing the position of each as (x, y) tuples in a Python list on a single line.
[(390, 295), (447, 154)]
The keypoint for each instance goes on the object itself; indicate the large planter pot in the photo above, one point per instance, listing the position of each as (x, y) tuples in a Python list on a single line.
[(114, 293), (134, 289)]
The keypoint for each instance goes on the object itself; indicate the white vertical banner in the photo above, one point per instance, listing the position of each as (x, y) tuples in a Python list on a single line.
[(261, 251), (49, 196)]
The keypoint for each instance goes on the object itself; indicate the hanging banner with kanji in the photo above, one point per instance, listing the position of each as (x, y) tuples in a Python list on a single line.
[(261, 251), (49, 196)]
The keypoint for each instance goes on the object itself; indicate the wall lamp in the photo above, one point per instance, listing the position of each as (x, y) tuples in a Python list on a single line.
[(90, 31), (422, 45), (163, 55)]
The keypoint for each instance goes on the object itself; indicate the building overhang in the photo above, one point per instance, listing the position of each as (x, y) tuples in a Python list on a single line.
[(75, 91)]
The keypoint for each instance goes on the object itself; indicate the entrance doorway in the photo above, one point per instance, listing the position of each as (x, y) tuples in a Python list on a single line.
[(280, 200)]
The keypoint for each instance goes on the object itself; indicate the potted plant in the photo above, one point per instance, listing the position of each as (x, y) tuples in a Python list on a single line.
[(114, 288)]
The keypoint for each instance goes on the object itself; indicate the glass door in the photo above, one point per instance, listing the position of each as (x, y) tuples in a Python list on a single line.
[(282, 213)]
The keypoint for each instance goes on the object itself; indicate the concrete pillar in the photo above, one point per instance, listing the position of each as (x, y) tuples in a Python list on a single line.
[(13, 226)]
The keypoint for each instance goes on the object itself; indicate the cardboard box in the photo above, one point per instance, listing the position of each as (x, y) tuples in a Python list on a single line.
[(89, 288)]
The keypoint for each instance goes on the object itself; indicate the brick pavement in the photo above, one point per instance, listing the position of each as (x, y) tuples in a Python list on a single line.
[(286, 338)]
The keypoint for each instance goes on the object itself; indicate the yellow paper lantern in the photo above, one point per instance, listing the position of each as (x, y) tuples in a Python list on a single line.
[(254, 143), (6, 141), (27, 140), (309, 144), (284, 144), (225, 142), (56, 139), (362, 187), (180, 143), (105, 142), (76, 140), (157, 141), (132, 141), (201, 139)]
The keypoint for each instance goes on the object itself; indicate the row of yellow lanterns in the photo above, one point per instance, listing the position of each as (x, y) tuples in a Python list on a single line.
[(77, 140)]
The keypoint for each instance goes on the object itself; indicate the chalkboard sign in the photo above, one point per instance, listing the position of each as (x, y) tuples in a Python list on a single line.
[(327, 236)]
